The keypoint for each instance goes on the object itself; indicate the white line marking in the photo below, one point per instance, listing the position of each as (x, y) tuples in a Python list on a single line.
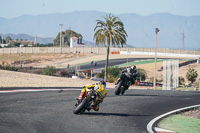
[(150, 124), (33, 90), (163, 130)]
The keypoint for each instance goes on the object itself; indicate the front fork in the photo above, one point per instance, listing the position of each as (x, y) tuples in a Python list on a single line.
[(78, 101)]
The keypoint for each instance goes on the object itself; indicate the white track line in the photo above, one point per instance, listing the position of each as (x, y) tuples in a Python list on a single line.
[(33, 90), (150, 124), (160, 130)]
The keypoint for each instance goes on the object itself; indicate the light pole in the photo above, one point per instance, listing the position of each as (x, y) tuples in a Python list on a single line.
[(61, 38), (2, 39), (77, 52), (127, 57), (20, 59), (154, 84)]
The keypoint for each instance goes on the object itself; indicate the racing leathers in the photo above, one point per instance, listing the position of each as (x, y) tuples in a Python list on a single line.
[(131, 74), (100, 93)]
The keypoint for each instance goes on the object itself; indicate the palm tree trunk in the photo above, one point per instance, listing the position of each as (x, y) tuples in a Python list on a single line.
[(106, 65)]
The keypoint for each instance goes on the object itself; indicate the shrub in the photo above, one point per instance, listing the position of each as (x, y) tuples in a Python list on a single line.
[(8, 67), (63, 73), (152, 80), (140, 75), (191, 75), (49, 70), (100, 75), (111, 78), (113, 73), (181, 80)]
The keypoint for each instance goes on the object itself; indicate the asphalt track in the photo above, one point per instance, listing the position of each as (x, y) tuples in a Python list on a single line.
[(112, 62), (51, 111)]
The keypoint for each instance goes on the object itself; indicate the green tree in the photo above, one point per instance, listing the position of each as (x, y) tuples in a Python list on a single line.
[(15, 44), (191, 75), (67, 35), (8, 38), (109, 32), (25, 45), (2, 40)]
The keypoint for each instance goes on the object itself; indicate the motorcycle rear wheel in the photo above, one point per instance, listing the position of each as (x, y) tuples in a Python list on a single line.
[(78, 109), (118, 88)]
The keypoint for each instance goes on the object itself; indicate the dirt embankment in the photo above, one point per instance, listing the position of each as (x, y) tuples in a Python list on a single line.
[(195, 113), (62, 60), (19, 79)]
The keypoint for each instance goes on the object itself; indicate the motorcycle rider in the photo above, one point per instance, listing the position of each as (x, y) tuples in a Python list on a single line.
[(131, 74), (100, 92)]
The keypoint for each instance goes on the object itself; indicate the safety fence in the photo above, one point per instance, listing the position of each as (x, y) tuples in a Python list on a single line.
[(95, 50)]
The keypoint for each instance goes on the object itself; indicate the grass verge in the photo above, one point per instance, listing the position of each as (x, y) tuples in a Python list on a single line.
[(180, 124)]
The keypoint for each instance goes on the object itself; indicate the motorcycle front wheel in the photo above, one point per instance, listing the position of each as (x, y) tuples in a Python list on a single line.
[(124, 89), (118, 88), (78, 109)]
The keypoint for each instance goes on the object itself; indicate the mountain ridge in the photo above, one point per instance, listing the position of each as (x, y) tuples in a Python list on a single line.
[(140, 29)]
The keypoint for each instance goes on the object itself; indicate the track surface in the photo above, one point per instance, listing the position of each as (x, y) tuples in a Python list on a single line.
[(51, 111), (112, 62)]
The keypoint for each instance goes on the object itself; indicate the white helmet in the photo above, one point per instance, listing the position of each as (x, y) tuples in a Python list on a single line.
[(133, 67)]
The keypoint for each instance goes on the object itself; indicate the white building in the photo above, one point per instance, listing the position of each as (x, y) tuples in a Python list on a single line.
[(4, 45), (76, 42)]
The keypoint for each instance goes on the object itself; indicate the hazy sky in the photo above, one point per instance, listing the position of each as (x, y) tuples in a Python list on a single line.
[(15, 8)]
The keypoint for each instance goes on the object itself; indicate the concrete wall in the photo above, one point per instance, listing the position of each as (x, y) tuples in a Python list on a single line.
[(96, 50)]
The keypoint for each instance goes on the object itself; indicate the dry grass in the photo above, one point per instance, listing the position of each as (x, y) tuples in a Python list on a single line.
[(62, 60), (195, 113)]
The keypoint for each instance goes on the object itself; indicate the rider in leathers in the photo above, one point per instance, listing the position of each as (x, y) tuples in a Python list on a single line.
[(131, 74), (100, 91)]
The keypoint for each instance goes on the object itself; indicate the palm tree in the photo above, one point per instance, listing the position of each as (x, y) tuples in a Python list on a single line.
[(110, 32)]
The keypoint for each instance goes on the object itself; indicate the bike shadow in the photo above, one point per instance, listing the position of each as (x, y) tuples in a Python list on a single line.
[(110, 114)]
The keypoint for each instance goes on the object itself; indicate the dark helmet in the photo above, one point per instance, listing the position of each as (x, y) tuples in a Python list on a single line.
[(102, 83)]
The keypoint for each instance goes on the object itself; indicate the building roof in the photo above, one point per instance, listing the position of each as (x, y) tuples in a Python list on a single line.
[(74, 37)]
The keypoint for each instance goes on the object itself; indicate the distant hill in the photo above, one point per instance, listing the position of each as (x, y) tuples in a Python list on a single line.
[(40, 40), (140, 29), (29, 37), (44, 40)]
